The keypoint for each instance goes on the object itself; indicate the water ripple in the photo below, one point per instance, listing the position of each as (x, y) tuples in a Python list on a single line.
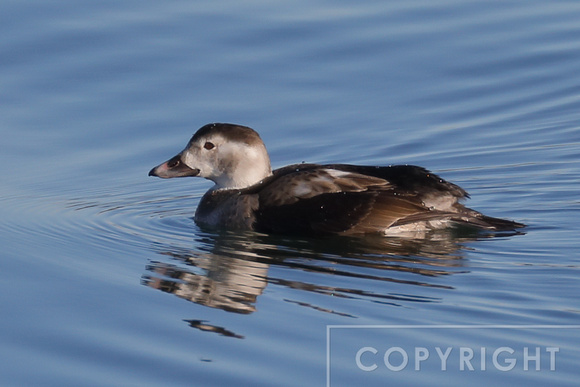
[(229, 270)]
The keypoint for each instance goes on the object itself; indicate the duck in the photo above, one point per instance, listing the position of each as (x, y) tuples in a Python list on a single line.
[(315, 199)]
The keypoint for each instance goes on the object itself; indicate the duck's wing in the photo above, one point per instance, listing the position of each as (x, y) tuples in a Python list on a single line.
[(321, 199), (409, 179)]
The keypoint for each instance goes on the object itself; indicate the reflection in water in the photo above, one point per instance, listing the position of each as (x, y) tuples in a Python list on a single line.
[(203, 326), (217, 281), (230, 270)]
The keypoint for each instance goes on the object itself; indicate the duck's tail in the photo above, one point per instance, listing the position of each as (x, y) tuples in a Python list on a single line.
[(476, 219)]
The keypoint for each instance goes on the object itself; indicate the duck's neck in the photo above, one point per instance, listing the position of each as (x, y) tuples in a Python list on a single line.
[(243, 170)]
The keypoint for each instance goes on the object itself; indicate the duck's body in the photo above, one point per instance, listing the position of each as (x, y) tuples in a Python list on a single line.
[(314, 199)]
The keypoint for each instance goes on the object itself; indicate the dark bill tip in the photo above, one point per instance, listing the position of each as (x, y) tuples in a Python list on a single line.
[(152, 172)]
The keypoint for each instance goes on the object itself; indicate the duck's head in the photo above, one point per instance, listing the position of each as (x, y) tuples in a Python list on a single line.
[(232, 156)]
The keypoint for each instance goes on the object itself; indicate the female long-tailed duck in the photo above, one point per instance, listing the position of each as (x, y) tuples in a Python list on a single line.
[(315, 199)]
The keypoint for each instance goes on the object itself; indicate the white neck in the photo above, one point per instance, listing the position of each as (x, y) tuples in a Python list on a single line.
[(243, 167)]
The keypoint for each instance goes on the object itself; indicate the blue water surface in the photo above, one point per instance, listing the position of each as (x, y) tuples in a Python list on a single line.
[(107, 281)]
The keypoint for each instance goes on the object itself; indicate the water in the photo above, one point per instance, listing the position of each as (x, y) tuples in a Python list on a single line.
[(106, 280)]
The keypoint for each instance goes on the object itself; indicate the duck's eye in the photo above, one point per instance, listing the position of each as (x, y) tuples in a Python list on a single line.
[(209, 145)]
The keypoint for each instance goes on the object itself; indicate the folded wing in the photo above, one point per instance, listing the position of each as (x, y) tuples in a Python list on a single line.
[(345, 199)]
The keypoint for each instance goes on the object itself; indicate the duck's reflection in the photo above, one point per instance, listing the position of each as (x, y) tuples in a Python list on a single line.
[(230, 270), (202, 325), (217, 281)]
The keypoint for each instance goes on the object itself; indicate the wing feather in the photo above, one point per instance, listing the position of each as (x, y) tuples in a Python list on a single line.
[(325, 199), (306, 184)]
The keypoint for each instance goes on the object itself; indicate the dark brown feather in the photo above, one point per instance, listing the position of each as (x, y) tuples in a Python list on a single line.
[(333, 199), (348, 199)]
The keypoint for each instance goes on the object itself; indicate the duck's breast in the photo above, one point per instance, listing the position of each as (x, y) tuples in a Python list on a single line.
[(228, 209)]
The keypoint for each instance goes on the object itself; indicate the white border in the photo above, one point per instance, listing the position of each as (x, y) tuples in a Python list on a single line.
[(329, 327)]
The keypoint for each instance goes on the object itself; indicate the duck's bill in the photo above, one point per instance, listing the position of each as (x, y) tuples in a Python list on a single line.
[(173, 167)]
